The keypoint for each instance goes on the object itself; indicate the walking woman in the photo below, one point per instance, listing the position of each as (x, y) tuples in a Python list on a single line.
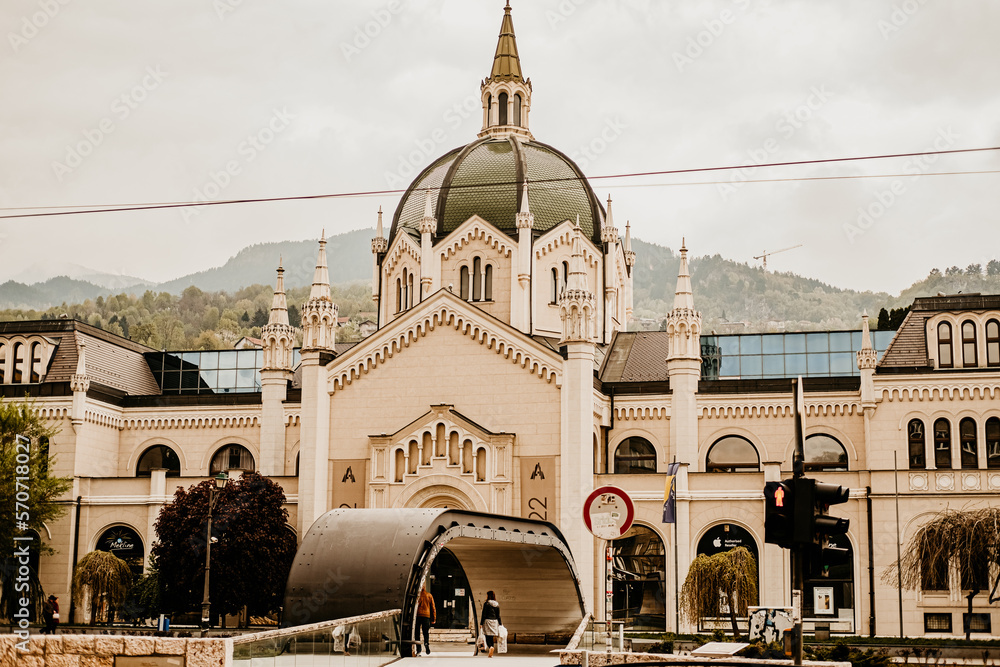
[(491, 620)]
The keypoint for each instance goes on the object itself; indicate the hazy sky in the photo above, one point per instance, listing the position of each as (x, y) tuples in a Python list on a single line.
[(125, 101)]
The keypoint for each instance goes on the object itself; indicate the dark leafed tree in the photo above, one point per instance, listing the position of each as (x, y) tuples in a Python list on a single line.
[(104, 579), (28, 493), (883, 320), (993, 268), (728, 578), (967, 540), (250, 560)]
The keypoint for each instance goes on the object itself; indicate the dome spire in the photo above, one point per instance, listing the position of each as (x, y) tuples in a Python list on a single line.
[(506, 94)]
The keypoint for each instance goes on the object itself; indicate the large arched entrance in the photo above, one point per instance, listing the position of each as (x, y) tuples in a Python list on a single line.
[(638, 562), (360, 561)]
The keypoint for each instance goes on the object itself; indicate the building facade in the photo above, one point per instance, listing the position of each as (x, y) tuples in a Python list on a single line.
[(502, 378)]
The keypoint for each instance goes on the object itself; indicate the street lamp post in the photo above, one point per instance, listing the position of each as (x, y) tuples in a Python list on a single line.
[(206, 606)]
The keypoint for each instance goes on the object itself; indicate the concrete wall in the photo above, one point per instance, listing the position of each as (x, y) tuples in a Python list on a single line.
[(100, 650)]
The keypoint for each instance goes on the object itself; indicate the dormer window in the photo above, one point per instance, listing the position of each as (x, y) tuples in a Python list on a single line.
[(969, 357), (476, 284), (945, 358)]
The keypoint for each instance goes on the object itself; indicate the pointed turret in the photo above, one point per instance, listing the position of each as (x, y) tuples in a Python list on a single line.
[(79, 382), (629, 254), (506, 94), (278, 336), (525, 218), (319, 314), (684, 322), (683, 297), (428, 225), (609, 234), (576, 303), (379, 246), (867, 362), (684, 366)]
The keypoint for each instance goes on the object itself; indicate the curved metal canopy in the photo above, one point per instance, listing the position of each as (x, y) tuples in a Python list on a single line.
[(359, 561)]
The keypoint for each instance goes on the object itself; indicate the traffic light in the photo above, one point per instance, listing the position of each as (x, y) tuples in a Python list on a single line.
[(814, 527), (779, 519)]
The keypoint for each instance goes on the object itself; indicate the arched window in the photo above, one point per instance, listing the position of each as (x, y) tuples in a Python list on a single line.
[(406, 290), (917, 443), (565, 276), (36, 363), (933, 571), (158, 456), (19, 362), (824, 452), (477, 279), (732, 454), (993, 442), (298, 457), (944, 346), (502, 101), (410, 292), (463, 279), (3, 362), (942, 444), (489, 110), (400, 465), (555, 285), (992, 344), (488, 283), (517, 110), (635, 456), (639, 560), (231, 457), (970, 445), (399, 295), (481, 464), (969, 357)]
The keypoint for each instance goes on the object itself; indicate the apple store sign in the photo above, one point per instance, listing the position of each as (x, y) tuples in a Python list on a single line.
[(724, 537)]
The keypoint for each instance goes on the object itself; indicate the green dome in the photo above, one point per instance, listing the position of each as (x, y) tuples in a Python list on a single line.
[(485, 178)]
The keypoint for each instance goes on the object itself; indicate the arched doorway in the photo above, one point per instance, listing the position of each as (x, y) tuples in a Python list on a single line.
[(638, 561), (125, 543), (718, 539)]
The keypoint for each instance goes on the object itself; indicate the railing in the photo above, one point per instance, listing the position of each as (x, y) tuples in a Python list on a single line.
[(599, 636), (359, 641)]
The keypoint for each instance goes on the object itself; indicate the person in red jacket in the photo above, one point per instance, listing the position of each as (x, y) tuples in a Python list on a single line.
[(426, 617)]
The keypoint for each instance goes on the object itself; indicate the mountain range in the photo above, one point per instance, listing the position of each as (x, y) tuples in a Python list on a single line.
[(729, 294)]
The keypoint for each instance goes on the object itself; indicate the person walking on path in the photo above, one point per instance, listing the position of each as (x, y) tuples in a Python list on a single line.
[(426, 617), (50, 613), (491, 620)]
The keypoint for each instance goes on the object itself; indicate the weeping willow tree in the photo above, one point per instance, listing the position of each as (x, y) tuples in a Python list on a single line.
[(106, 577), (968, 540), (730, 576)]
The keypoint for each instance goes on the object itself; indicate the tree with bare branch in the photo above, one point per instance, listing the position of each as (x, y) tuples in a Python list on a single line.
[(967, 540), (730, 576), (106, 578)]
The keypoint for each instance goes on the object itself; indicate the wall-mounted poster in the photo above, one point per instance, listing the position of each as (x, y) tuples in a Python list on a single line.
[(823, 600)]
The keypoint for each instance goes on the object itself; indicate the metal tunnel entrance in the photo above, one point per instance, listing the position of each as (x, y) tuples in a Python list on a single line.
[(360, 561)]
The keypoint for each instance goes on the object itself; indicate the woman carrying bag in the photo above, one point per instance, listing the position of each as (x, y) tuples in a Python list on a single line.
[(491, 620)]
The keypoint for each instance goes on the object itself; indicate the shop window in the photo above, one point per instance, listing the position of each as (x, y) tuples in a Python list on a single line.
[(915, 437), (945, 359), (635, 456), (231, 457), (942, 444), (824, 452), (158, 456), (732, 454), (992, 343), (969, 443), (993, 442), (969, 357), (937, 623)]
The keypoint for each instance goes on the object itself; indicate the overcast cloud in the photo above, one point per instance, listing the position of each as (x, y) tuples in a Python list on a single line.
[(127, 102)]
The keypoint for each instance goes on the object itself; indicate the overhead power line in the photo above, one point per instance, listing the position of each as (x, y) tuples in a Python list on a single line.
[(115, 208)]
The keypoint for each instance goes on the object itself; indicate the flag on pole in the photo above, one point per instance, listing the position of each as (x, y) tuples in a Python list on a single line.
[(670, 494)]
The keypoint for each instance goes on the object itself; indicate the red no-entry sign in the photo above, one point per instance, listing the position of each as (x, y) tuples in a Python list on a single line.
[(608, 512)]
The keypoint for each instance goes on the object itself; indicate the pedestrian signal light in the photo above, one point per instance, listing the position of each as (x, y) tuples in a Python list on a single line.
[(779, 504)]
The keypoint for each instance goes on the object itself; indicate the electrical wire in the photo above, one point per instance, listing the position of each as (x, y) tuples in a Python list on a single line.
[(114, 208)]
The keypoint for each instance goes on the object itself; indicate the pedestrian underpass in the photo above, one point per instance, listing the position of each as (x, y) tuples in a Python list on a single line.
[(363, 561)]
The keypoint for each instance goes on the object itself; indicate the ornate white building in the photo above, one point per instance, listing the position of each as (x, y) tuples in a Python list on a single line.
[(502, 379)]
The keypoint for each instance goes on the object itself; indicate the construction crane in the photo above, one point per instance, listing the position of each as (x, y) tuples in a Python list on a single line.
[(764, 255)]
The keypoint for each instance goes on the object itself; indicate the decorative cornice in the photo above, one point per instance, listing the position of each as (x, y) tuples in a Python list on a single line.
[(186, 421), (472, 229), (944, 391), (403, 246), (780, 409), (377, 349), (551, 242)]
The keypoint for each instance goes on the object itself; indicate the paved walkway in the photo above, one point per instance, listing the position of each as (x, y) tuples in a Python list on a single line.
[(454, 655)]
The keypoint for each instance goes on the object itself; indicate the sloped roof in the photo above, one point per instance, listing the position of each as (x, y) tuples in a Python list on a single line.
[(636, 356), (908, 348)]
